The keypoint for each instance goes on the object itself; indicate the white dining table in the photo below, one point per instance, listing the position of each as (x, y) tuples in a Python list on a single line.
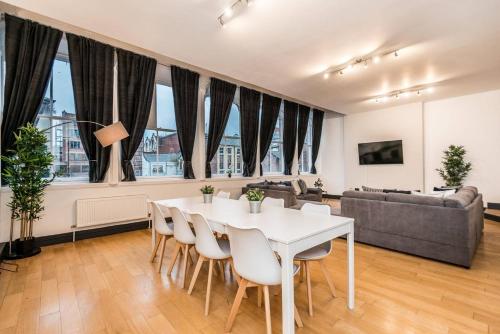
[(289, 232)]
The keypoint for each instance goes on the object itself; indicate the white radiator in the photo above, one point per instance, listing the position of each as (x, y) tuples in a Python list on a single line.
[(107, 210)]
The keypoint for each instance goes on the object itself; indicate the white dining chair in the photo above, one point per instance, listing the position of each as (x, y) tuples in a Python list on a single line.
[(257, 268), (317, 254), (243, 197), (275, 202), (209, 249), (223, 194), (185, 240), (163, 230)]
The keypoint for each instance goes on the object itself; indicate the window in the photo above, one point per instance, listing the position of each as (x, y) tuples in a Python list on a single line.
[(274, 161), (58, 106), (228, 157), (306, 156), (159, 153)]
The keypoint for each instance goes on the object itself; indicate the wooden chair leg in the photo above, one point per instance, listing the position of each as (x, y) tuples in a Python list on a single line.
[(309, 290), (268, 309), (209, 286), (236, 305), (222, 273), (196, 273), (302, 269), (327, 277), (238, 278), (298, 319), (175, 254), (259, 296), (155, 250), (184, 265), (162, 252)]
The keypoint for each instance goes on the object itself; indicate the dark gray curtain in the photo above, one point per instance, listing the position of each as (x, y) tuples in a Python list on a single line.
[(317, 127), (185, 85), (221, 99), (249, 127), (302, 127), (136, 82), (270, 112), (30, 50), (289, 134), (91, 66)]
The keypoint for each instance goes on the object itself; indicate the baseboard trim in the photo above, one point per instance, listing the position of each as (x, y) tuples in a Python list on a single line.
[(54, 239), (495, 206), (330, 196), (489, 216)]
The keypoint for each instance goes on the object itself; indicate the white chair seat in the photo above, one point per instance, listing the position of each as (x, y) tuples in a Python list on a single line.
[(315, 253), (165, 229), (224, 247)]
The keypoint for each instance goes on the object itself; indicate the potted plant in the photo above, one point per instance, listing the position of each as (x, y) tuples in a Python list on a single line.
[(319, 184), (229, 172), (455, 169), (255, 197), (208, 193), (27, 172)]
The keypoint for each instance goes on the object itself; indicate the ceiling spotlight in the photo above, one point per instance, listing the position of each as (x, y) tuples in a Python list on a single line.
[(396, 54), (228, 12), (396, 96), (376, 59), (326, 75), (377, 101), (365, 64), (418, 92), (341, 72)]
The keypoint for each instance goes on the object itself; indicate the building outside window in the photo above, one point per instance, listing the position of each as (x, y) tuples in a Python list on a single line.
[(274, 162), (58, 106), (159, 153), (228, 157), (306, 156)]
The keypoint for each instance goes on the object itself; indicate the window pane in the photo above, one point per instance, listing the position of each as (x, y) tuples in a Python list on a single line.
[(63, 141), (228, 158), (274, 162), (159, 153), (306, 156)]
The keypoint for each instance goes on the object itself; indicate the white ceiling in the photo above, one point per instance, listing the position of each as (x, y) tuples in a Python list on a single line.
[(283, 45)]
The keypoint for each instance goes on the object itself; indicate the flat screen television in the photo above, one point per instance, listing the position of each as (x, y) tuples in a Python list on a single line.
[(381, 153)]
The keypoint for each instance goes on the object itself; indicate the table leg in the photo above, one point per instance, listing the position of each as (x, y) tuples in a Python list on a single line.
[(350, 269), (153, 234), (287, 290)]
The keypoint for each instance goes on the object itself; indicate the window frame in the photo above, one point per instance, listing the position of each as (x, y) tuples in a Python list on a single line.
[(279, 142), (309, 152)]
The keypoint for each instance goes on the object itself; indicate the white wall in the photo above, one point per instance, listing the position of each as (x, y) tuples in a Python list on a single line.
[(474, 122), (402, 122), (332, 154)]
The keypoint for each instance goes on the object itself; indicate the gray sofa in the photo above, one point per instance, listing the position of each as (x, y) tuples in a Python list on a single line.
[(445, 229), (285, 190)]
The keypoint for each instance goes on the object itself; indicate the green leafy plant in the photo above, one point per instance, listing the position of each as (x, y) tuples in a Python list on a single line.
[(318, 184), (27, 172), (208, 189), (255, 195), (455, 169)]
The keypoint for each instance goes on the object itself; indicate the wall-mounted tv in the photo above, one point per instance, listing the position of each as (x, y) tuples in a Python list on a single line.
[(381, 153)]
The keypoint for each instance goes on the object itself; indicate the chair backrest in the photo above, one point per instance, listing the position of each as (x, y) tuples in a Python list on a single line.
[(277, 202), (253, 257), (159, 220), (319, 209), (243, 197), (206, 244), (223, 194), (182, 230), (316, 208)]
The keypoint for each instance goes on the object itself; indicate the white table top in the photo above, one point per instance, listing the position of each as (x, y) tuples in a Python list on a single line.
[(278, 224)]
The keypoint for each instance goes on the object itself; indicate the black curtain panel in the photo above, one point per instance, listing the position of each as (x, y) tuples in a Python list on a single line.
[(136, 82), (30, 50), (289, 134), (91, 66), (302, 127), (249, 127), (221, 99), (185, 85), (270, 112), (317, 127)]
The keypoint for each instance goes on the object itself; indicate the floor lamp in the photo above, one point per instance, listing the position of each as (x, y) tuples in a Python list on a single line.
[(107, 135)]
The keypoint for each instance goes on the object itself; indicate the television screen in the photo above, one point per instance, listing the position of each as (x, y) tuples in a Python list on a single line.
[(380, 153)]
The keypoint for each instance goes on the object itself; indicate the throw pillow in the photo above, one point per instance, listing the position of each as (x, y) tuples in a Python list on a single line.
[(372, 190), (408, 192), (436, 195), (296, 187), (446, 189), (303, 186)]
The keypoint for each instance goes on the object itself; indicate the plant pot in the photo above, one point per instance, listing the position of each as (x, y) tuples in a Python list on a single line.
[(207, 198), (255, 206), (22, 248)]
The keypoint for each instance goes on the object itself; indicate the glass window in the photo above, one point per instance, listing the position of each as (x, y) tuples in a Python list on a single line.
[(306, 156), (274, 162), (159, 153), (58, 107), (228, 158)]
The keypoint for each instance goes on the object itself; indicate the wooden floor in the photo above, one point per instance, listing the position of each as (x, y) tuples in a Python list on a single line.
[(107, 285)]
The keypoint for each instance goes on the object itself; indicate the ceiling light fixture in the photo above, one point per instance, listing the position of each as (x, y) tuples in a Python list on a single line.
[(356, 62), (230, 11), (396, 94)]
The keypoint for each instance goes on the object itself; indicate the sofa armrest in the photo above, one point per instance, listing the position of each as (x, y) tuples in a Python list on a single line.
[(314, 191)]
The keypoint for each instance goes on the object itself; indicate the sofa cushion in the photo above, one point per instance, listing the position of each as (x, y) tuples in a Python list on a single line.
[(371, 190), (415, 199), (407, 192), (376, 196), (303, 186), (471, 188), (461, 198), (296, 187)]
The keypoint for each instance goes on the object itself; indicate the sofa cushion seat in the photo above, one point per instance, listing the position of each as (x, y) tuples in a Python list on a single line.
[(414, 199)]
